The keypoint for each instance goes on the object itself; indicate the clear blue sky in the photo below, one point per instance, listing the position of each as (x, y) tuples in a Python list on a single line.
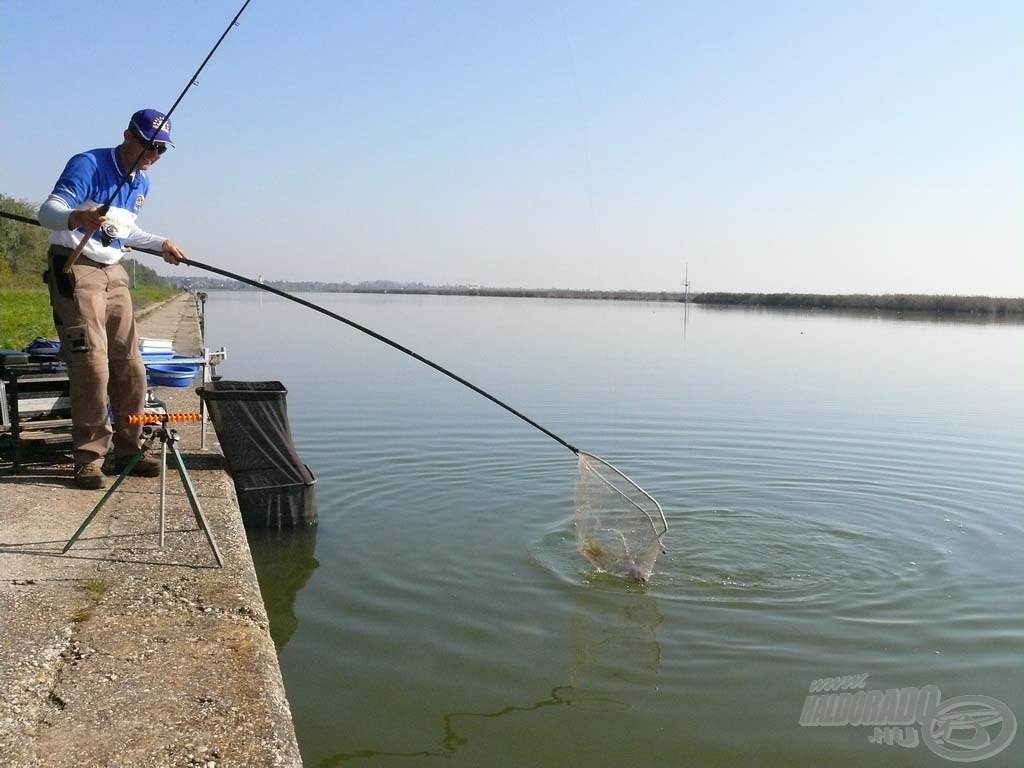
[(832, 147)]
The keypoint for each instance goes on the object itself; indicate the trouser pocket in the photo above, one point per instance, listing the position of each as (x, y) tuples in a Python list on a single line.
[(60, 279), (77, 339)]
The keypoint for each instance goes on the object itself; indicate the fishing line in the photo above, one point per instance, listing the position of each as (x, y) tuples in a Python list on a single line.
[(585, 132), (619, 526), (194, 80)]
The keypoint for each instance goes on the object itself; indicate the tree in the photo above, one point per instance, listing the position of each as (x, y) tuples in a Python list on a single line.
[(23, 250), (143, 275), (22, 246)]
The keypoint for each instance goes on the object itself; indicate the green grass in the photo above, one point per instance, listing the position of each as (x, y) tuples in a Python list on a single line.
[(95, 589), (145, 295), (25, 312)]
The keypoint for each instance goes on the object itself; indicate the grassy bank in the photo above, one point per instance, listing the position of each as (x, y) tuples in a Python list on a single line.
[(25, 312)]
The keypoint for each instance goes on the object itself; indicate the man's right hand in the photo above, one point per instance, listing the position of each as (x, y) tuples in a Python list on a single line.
[(89, 219)]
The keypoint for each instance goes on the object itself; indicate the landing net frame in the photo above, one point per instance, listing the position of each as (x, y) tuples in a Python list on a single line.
[(619, 526)]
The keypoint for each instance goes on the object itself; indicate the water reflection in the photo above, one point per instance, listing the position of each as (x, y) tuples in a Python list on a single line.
[(614, 654), (284, 562)]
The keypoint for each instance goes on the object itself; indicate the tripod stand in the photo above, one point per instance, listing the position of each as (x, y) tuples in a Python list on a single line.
[(168, 442)]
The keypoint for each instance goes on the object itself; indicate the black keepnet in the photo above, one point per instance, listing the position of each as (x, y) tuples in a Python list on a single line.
[(274, 487)]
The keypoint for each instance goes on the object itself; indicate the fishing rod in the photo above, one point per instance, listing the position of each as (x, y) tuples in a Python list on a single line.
[(22, 219), (194, 80)]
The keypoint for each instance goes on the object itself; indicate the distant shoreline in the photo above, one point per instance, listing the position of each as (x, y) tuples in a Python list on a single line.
[(889, 302), (986, 305)]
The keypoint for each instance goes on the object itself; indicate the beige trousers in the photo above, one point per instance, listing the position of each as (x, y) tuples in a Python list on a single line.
[(92, 310)]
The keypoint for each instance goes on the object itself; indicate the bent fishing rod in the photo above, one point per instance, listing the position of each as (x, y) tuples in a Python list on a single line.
[(194, 80)]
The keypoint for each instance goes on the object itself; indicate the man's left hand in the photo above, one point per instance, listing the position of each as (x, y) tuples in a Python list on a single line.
[(172, 253)]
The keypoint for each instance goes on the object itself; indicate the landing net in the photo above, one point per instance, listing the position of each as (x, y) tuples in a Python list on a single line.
[(619, 526)]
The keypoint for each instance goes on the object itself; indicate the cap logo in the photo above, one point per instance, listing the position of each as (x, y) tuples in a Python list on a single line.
[(151, 125)]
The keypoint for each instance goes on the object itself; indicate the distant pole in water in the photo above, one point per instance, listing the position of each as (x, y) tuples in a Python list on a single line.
[(686, 284)]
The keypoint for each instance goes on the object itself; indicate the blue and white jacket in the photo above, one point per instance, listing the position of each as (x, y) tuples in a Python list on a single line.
[(88, 180)]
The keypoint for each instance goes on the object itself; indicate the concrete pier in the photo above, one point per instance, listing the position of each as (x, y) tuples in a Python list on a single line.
[(122, 653)]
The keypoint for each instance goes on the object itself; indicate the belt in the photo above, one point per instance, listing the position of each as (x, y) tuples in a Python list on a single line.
[(60, 252)]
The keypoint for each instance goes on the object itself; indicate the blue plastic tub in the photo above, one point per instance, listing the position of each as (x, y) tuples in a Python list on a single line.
[(166, 375), (193, 366)]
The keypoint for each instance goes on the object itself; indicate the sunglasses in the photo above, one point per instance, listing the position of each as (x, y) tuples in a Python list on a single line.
[(149, 145)]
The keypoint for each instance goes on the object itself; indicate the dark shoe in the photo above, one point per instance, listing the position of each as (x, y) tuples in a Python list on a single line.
[(89, 477), (147, 466)]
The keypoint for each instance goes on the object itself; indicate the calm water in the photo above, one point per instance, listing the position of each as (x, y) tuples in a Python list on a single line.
[(844, 496)]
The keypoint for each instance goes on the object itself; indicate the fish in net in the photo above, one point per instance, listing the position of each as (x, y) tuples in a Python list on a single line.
[(619, 526)]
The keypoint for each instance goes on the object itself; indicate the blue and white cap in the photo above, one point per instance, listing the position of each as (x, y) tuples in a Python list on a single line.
[(144, 123)]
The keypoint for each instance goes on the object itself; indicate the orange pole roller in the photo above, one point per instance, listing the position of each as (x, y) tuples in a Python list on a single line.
[(156, 418)]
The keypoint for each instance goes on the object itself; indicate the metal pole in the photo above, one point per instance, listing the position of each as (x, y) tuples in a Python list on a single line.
[(202, 401), (193, 501), (110, 492), (163, 488)]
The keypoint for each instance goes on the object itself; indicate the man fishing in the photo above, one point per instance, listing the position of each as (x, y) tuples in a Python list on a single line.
[(92, 306)]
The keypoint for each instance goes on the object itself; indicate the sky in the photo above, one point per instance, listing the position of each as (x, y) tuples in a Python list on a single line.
[(824, 147)]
